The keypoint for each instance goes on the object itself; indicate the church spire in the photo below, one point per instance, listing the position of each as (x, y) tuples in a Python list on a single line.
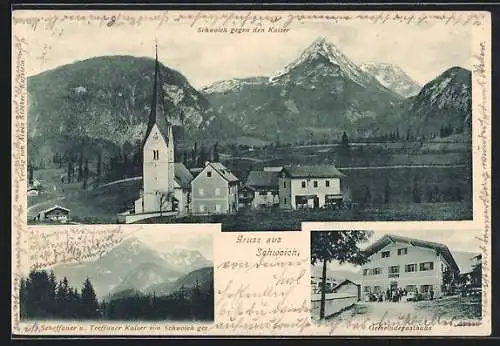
[(157, 115)]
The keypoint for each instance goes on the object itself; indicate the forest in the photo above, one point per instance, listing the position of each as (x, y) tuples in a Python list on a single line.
[(41, 296)]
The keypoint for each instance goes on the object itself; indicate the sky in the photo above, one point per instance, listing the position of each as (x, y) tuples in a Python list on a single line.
[(423, 51), (456, 240), (167, 239)]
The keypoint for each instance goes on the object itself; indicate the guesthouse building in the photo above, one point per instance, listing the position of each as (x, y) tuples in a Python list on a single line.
[(302, 187), (412, 264)]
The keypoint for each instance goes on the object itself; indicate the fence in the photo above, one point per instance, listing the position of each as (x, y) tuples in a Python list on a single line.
[(334, 303)]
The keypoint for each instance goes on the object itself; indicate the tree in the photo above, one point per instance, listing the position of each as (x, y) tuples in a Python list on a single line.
[(216, 157), (345, 141), (85, 174), (341, 246), (88, 301), (30, 174), (98, 168)]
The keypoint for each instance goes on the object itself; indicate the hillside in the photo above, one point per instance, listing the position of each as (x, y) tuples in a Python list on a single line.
[(103, 103), (443, 104)]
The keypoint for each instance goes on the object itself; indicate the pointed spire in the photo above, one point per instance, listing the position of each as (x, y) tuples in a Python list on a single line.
[(158, 112)]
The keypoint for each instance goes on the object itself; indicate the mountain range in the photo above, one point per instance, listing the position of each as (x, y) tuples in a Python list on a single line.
[(133, 266), (102, 103)]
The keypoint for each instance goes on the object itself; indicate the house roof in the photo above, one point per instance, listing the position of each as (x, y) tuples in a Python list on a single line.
[(390, 238), (182, 175), (316, 171), (262, 179), (158, 114), (224, 171), (345, 282), (48, 210), (195, 171)]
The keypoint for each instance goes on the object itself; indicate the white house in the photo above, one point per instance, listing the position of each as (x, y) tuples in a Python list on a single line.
[(401, 262), (214, 190), (158, 157), (309, 186), (348, 287)]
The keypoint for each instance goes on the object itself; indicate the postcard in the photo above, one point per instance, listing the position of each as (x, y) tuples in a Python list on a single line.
[(251, 173)]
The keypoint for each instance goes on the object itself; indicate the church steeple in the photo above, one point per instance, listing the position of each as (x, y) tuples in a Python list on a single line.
[(158, 112)]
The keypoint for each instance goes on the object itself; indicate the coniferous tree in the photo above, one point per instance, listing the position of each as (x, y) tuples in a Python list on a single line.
[(88, 301), (30, 174), (85, 174)]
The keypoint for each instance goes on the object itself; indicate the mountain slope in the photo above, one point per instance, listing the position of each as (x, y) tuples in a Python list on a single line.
[(185, 260), (392, 77), (445, 101), (108, 271), (203, 276), (105, 101), (322, 90)]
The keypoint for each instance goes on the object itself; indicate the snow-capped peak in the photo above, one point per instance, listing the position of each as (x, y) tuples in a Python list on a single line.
[(392, 77), (231, 84), (322, 47)]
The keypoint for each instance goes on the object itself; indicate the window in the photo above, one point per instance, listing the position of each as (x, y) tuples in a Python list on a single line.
[(377, 271), (156, 154), (426, 266), (410, 268), (217, 191), (202, 208), (303, 184), (209, 174), (201, 192), (284, 184), (217, 208), (394, 269), (402, 251), (284, 200), (386, 254), (315, 183), (327, 183), (368, 289), (365, 272)]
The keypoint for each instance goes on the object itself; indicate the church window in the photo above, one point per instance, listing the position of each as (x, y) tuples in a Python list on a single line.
[(156, 154)]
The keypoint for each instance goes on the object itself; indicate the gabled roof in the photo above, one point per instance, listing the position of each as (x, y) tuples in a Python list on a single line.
[(260, 179), (345, 282), (223, 171), (316, 171), (182, 175), (157, 114), (54, 208), (388, 239)]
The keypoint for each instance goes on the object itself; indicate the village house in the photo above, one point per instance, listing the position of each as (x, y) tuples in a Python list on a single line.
[(214, 190), (401, 262), (316, 284), (348, 287), (53, 214), (32, 191), (310, 186), (264, 189)]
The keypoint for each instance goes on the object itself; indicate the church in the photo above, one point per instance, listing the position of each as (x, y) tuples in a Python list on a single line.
[(158, 191)]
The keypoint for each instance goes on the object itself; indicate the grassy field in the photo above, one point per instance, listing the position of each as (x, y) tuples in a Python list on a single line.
[(284, 220)]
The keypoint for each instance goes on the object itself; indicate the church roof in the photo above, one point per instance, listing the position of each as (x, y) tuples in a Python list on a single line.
[(182, 175), (158, 114)]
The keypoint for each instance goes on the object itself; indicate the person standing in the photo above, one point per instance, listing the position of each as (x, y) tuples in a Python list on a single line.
[(431, 293)]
